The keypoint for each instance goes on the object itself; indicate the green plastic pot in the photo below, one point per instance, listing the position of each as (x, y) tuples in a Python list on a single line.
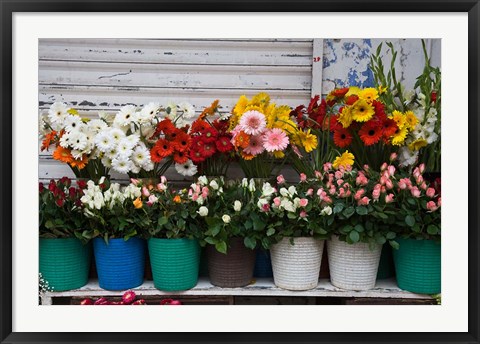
[(64, 263), (418, 266), (175, 263)]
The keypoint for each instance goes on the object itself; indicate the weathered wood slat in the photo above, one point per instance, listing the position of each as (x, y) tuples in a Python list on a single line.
[(109, 97), (229, 52), (386, 289), (168, 75)]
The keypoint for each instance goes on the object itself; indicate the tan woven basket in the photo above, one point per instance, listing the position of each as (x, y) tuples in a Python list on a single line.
[(353, 266), (297, 267)]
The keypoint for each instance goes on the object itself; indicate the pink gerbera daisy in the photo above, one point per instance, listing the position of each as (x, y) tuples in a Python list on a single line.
[(275, 140), (253, 123), (255, 145)]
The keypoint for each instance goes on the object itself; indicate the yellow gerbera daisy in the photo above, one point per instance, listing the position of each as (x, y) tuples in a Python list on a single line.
[(399, 138), (239, 108), (345, 117), (362, 111), (353, 90), (411, 120), (280, 118), (262, 99), (417, 144), (399, 118), (346, 159), (307, 140), (369, 94), (279, 154)]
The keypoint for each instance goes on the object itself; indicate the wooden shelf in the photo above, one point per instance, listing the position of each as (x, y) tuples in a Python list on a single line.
[(385, 289)]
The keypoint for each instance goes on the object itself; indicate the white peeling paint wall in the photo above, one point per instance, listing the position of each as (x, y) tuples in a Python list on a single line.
[(105, 74)]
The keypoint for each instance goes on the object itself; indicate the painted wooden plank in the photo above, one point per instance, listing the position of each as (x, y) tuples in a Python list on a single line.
[(168, 75), (260, 287), (317, 67), (109, 97), (229, 52)]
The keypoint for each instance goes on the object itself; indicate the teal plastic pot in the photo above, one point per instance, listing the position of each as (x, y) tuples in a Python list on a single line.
[(418, 266), (175, 263), (64, 263)]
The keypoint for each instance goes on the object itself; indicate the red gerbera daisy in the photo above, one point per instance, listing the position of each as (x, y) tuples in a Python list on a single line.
[(162, 149), (196, 156), (208, 149), (180, 157), (209, 135), (351, 99), (224, 144), (389, 127), (221, 126), (334, 124), (342, 137), (198, 126), (370, 133), (340, 92), (379, 107), (182, 142), (166, 127)]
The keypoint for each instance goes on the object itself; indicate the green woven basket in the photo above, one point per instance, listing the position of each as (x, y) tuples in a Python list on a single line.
[(174, 262), (418, 266), (64, 263)]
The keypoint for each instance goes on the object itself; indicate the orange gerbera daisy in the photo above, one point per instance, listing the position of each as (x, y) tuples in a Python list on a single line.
[(63, 155), (370, 133), (180, 157), (48, 140), (246, 156), (182, 141), (80, 163), (162, 149), (242, 140), (166, 127), (210, 110)]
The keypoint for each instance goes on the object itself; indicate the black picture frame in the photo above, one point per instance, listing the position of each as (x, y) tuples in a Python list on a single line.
[(8, 7)]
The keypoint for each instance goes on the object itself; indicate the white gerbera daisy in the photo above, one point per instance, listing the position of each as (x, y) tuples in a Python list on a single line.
[(187, 109), (97, 125), (107, 162), (78, 140), (125, 116), (117, 134), (77, 154), (104, 141), (141, 155), (148, 166), (124, 148), (72, 122), (121, 164), (171, 110), (148, 113), (112, 153), (186, 169), (57, 112), (135, 168), (133, 140), (65, 140)]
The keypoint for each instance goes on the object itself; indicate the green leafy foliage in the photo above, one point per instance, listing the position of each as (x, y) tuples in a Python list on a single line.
[(60, 210)]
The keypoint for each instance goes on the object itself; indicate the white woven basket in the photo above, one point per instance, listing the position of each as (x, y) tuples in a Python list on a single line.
[(297, 267), (353, 266)]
